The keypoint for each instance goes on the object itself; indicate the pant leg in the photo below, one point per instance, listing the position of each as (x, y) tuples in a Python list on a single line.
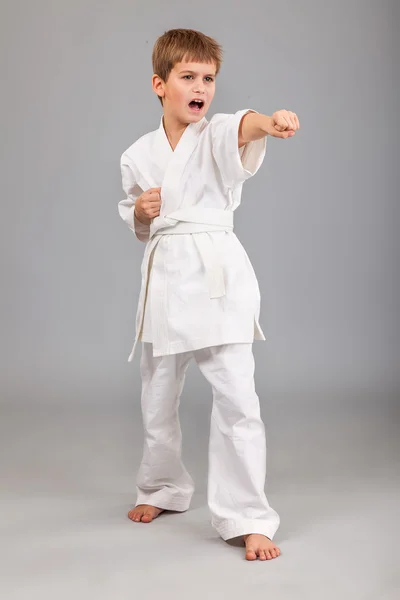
[(237, 446), (162, 479)]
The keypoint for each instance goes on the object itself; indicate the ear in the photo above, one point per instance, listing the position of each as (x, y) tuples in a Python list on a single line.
[(158, 85)]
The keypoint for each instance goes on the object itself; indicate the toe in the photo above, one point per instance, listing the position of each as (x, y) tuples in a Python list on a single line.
[(262, 555), (251, 554), (146, 518)]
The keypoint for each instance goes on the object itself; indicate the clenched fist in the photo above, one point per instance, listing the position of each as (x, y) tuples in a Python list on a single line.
[(147, 206), (283, 124)]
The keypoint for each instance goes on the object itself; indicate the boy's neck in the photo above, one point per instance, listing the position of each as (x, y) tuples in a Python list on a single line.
[(173, 129)]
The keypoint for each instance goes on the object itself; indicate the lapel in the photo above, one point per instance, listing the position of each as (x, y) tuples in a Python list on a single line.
[(174, 162), (160, 166)]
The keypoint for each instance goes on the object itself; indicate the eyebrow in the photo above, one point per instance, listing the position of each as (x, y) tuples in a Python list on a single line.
[(195, 73)]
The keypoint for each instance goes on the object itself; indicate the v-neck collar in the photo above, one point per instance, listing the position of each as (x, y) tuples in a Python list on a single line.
[(191, 130)]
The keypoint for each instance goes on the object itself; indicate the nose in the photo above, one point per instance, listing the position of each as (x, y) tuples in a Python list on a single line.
[(199, 87)]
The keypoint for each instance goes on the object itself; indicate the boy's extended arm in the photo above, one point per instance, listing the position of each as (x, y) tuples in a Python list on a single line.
[(254, 126)]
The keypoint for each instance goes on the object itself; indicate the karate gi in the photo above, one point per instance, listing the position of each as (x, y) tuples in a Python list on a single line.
[(199, 298)]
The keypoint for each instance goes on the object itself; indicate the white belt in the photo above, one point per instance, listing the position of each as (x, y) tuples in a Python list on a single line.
[(200, 222)]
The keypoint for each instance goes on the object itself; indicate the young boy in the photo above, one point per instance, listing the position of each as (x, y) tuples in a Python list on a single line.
[(199, 297)]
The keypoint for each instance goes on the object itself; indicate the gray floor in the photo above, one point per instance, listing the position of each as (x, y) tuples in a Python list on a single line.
[(68, 481)]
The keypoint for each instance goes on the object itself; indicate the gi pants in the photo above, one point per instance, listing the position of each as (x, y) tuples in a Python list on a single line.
[(237, 445)]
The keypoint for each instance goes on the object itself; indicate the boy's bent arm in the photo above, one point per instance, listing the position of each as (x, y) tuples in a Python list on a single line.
[(126, 207), (254, 126)]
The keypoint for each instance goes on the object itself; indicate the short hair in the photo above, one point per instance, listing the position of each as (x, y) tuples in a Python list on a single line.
[(176, 45)]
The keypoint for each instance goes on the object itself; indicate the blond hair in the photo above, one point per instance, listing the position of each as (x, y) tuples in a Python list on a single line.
[(176, 45)]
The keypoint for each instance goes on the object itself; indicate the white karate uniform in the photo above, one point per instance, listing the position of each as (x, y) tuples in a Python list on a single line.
[(199, 298), (201, 289)]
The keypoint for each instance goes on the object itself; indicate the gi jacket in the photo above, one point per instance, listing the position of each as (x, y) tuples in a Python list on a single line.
[(198, 286)]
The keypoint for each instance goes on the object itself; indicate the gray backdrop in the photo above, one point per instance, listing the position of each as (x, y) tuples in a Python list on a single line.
[(319, 222)]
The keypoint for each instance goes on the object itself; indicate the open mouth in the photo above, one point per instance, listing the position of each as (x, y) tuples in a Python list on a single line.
[(196, 105)]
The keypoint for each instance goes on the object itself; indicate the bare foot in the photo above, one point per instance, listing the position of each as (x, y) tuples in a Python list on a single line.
[(144, 513), (260, 546)]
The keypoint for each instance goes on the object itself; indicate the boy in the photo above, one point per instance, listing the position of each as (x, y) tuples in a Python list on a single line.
[(199, 296)]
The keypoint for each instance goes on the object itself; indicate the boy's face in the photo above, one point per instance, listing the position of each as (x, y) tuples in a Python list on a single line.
[(188, 91)]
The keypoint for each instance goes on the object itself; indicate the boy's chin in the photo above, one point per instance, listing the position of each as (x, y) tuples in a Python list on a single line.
[(195, 117), (187, 117)]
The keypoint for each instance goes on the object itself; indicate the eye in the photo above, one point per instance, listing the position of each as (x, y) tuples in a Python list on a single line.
[(187, 76), (209, 79)]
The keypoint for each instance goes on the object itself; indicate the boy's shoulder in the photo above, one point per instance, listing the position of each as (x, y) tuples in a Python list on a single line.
[(229, 118), (218, 117), (139, 146)]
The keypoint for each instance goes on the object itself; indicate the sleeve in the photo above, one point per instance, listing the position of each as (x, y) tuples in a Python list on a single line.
[(235, 164), (126, 207)]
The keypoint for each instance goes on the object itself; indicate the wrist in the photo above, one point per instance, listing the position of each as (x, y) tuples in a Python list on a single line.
[(266, 124), (142, 220)]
